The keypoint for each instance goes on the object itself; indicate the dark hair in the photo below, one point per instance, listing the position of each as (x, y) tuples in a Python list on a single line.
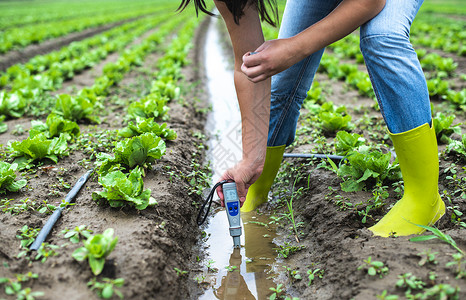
[(236, 7)]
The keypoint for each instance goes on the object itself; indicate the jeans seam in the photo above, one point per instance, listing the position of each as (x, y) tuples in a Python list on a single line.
[(289, 103), (377, 95)]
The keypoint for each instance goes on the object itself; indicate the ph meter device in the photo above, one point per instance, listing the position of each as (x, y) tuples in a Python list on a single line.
[(232, 207)]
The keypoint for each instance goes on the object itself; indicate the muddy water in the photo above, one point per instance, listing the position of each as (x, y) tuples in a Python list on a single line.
[(231, 273)]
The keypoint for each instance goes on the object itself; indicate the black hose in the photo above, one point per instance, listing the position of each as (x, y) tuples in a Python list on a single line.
[(321, 156), (57, 213)]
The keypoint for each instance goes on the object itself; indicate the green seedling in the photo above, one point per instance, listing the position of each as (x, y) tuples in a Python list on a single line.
[(313, 273), (96, 249), (374, 267), (27, 236), (16, 208), (410, 282), (386, 296), (437, 234), (107, 287), (443, 127), (428, 257), (121, 189), (45, 251), (75, 235), (276, 291), (286, 249), (294, 274), (458, 262), (180, 272), (441, 291), (13, 286), (199, 279), (290, 214), (209, 266), (231, 268)]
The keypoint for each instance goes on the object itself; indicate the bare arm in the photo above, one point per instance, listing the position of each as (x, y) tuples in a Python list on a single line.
[(277, 55), (253, 98)]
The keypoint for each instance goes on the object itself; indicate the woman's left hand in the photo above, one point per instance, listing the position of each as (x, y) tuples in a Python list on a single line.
[(270, 58)]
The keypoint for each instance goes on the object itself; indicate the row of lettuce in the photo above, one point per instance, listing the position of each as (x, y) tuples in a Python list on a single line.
[(29, 86), (121, 170), (17, 14), (21, 36)]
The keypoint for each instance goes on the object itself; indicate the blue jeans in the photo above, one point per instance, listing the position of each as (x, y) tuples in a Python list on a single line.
[(392, 63)]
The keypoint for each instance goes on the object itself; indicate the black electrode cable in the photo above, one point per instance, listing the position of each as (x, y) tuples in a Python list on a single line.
[(201, 219)]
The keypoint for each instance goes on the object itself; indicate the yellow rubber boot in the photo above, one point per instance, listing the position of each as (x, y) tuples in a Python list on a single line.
[(421, 204), (258, 192)]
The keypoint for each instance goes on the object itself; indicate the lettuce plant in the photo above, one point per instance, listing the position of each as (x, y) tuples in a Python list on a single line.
[(96, 249), (443, 128), (12, 104), (334, 119), (458, 147), (3, 126), (54, 126), (151, 106), (363, 167), (8, 176), (346, 142), (136, 151), (122, 189), (75, 108), (37, 147), (147, 125)]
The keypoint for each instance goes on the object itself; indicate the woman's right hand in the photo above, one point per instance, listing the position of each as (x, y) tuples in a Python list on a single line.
[(245, 173)]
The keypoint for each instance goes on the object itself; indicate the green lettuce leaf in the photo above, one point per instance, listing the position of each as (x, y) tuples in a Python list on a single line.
[(54, 126), (8, 176), (38, 147), (147, 125), (140, 150), (124, 189)]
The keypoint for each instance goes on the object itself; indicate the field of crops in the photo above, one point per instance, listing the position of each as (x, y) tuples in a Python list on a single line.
[(118, 87)]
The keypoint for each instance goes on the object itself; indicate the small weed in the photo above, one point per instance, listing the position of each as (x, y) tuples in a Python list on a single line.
[(179, 272), (45, 251), (199, 279), (385, 296), (293, 274), (427, 257), (75, 235), (458, 262), (107, 287), (27, 236), (209, 266), (231, 268), (313, 273), (410, 282), (13, 286), (286, 250), (374, 267), (276, 291)]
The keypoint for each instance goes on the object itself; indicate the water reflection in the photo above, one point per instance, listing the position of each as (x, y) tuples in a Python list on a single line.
[(249, 278)]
